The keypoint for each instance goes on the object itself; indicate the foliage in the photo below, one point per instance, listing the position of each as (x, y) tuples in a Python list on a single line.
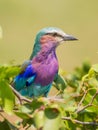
[(74, 107)]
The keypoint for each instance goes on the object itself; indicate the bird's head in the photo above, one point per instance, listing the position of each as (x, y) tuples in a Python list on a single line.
[(50, 35)]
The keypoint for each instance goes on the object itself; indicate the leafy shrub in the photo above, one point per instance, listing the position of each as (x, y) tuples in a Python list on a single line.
[(74, 107)]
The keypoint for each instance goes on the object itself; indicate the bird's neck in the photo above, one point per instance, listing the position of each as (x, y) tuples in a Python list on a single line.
[(36, 49), (45, 48), (45, 53), (48, 49)]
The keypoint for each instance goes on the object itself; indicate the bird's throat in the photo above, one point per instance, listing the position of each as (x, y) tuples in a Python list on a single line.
[(46, 66), (46, 53)]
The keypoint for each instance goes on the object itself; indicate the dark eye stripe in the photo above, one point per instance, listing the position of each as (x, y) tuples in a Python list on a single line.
[(54, 34)]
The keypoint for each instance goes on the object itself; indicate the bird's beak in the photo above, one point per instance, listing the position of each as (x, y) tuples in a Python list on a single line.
[(67, 37)]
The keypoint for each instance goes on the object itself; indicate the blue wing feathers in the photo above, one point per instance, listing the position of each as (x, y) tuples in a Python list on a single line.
[(30, 81), (25, 78), (25, 84), (29, 72)]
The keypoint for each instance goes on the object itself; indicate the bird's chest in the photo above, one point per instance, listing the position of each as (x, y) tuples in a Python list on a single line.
[(46, 70)]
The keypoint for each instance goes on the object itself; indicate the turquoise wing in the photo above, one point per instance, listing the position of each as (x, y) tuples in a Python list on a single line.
[(25, 78)]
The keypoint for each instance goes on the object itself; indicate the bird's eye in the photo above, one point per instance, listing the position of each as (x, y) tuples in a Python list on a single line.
[(54, 34)]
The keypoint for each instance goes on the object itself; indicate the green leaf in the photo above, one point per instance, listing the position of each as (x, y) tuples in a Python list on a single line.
[(60, 82), (39, 119), (4, 125), (7, 97), (52, 119), (72, 81), (29, 122), (12, 71), (7, 71), (22, 115), (95, 68), (26, 108), (36, 104), (93, 82)]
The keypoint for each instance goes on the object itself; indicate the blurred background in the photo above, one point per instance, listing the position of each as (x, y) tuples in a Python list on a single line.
[(20, 20)]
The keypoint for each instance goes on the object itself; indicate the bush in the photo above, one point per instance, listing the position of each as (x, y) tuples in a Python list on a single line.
[(74, 107)]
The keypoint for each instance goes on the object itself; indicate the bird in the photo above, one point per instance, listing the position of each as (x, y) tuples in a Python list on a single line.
[(38, 73)]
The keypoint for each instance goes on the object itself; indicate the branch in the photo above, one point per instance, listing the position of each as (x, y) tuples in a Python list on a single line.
[(54, 99), (19, 96), (81, 100), (88, 105), (22, 98), (80, 122)]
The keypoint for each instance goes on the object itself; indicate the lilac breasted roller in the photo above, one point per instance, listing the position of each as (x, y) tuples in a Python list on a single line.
[(38, 73)]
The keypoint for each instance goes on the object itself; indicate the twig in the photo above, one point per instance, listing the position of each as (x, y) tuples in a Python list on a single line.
[(22, 98), (57, 93), (88, 105), (19, 96), (1, 110), (81, 100), (94, 97), (52, 99), (80, 122)]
